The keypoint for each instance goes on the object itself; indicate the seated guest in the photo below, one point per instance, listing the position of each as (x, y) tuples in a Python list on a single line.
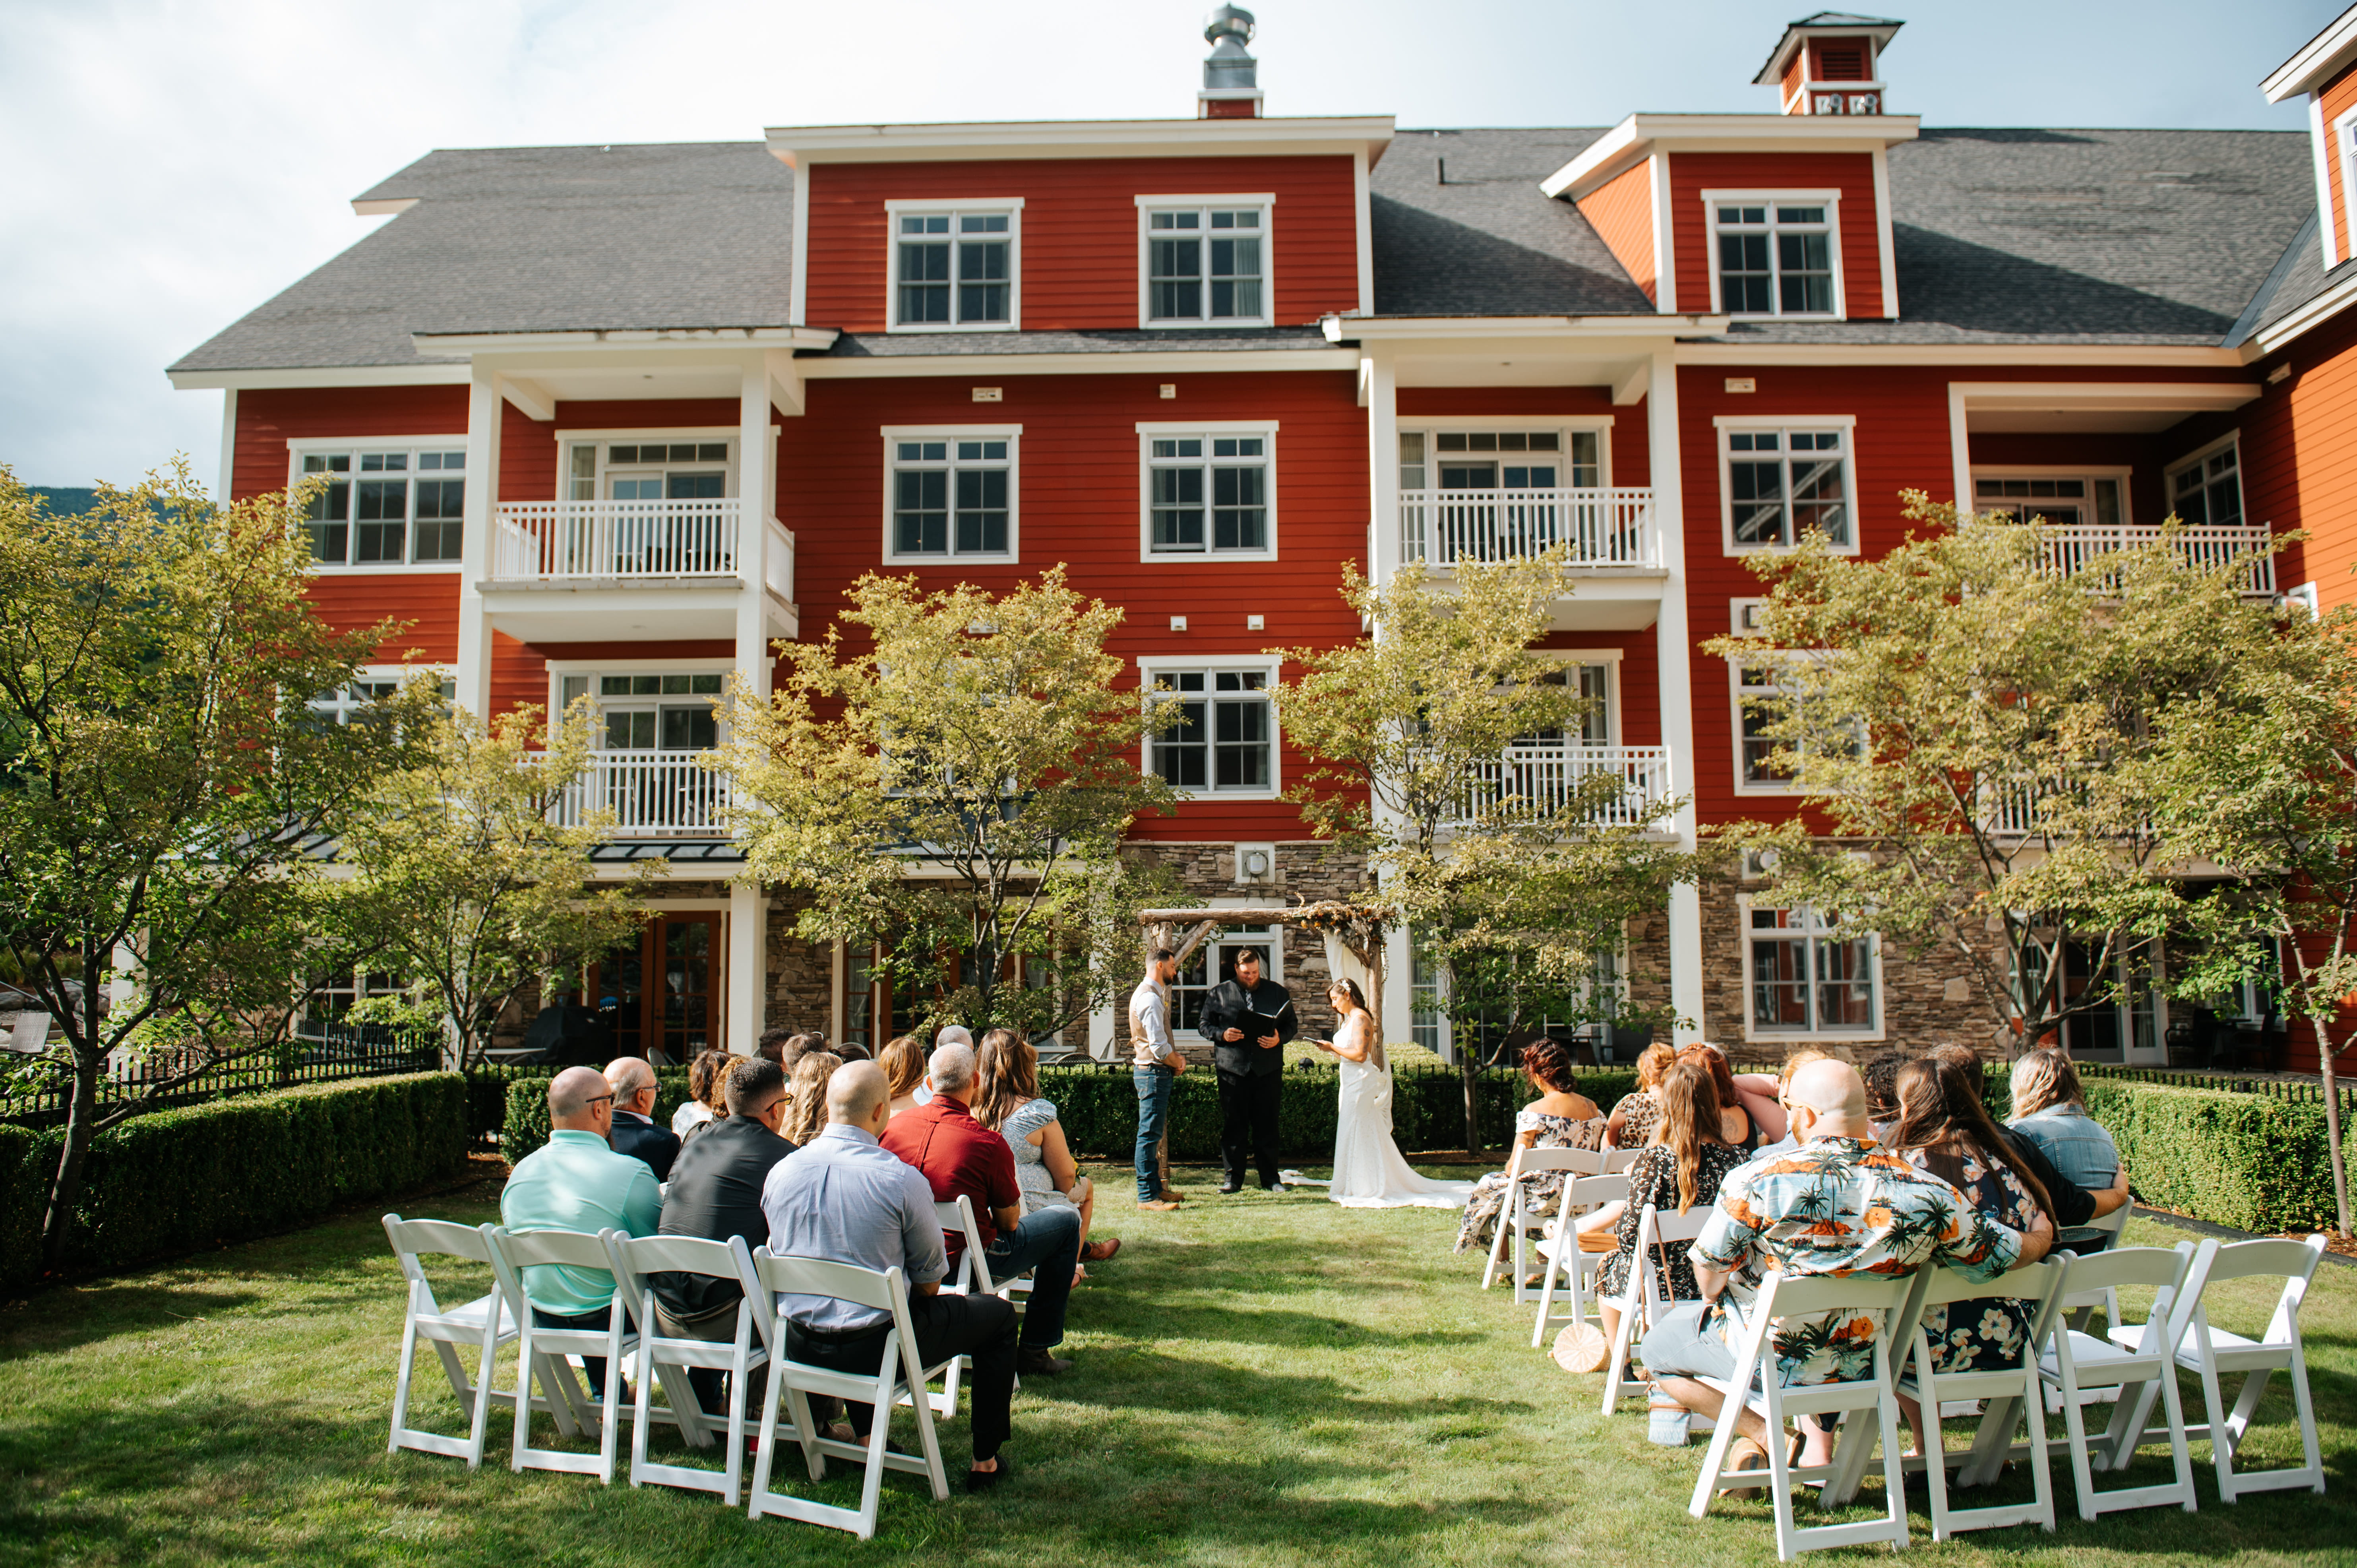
[(783, 1047), (808, 1094), (1800, 1058), (635, 1133), (715, 1193), (1560, 1118), (576, 1182), (2049, 1108), (2071, 1206), (1839, 1206), (852, 1052), (1735, 1122), (1007, 1100), (1681, 1167), (961, 1156), (704, 1101), (1880, 1075), (904, 1064), (1632, 1124), (843, 1199)]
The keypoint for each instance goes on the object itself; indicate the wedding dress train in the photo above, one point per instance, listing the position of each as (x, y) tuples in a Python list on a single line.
[(1369, 1172)]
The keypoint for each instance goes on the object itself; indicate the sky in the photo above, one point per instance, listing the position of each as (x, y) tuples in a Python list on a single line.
[(175, 163)]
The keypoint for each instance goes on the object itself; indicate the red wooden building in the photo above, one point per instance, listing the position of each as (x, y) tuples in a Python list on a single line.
[(611, 419)]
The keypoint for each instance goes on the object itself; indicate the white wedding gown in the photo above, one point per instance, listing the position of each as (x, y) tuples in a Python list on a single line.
[(1367, 1170)]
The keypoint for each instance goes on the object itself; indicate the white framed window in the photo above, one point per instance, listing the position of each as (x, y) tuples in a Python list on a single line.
[(666, 706), (327, 1006), (1755, 687), (1213, 962), (2344, 138), (1489, 459), (1805, 977), (2206, 489), (1220, 735), (390, 505), (2072, 498), (950, 492), (1427, 1014), (1595, 675), (1208, 491), (651, 464), (1204, 261), (374, 683), (1775, 253), (1777, 479), (957, 267)]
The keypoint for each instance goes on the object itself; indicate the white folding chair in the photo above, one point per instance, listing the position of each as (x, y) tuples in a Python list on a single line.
[(1561, 1255), (2216, 1353), (484, 1324), (972, 1278), (2012, 1392), (1617, 1160), (1643, 1299), (1781, 1296), (1518, 1216), (544, 1351), (2080, 1367), (791, 1382), (2079, 1308), (662, 1355)]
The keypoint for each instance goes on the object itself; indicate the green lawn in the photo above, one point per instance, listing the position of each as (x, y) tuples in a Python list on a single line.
[(1260, 1381)]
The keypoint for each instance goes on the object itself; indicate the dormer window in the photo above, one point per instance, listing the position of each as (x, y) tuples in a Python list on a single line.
[(955, 269), (1205, 260), (1777, 253)]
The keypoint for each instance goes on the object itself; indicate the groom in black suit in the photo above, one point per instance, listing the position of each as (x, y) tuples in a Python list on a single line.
[(1249, 1019)]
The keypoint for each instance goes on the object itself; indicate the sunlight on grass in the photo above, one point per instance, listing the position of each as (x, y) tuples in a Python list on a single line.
[(1261, 1380)]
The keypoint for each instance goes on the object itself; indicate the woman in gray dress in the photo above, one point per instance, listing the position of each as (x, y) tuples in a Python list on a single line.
[(1007, 1100)]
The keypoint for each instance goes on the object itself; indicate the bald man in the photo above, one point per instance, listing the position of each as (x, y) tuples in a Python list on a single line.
[(634, 1130), (843, 1198), (576, 1182), (1835, 1204)]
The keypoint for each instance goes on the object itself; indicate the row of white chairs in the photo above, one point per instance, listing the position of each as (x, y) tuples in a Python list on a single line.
[(503, 1317), (2132, 1367)]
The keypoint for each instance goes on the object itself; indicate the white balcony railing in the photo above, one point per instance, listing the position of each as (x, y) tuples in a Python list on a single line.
[(605, 540), (652, 794), (1603, 527), (1534, 781), (2069, 547)]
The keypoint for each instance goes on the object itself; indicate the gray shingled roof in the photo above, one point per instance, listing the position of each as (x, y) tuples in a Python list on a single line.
[(1487, 242), (539, 238)]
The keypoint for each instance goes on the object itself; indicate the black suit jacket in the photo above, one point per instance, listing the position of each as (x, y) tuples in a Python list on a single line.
[(1229, 1006), (715, 1193), (634, 1134)]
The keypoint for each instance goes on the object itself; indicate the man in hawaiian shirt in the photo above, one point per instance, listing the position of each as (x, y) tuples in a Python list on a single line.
[(1837, 1205)]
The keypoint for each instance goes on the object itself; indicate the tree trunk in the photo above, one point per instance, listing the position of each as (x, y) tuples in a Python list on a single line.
[(1465, 1070), (65, 1184), (2333, 1124)]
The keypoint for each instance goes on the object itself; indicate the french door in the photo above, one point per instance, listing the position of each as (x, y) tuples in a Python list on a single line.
[(662, 989)]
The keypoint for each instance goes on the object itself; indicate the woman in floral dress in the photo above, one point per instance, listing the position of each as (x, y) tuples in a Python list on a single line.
[(1633, 1122), (1560, 1118), (1680, 1168)]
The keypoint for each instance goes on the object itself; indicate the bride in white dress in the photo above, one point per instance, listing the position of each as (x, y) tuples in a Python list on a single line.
[(1367, 1170)]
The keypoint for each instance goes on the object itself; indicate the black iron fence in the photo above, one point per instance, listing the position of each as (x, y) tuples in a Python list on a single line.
[(39, 1090)]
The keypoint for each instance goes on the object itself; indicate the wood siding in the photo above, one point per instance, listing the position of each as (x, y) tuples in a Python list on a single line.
[(2336, 98), (1620, 211), (2300, 458), (1079, 232), (1852, 173)]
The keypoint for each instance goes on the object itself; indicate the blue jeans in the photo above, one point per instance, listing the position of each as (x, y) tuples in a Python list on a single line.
[(1048, 1242), (1154, 1088)]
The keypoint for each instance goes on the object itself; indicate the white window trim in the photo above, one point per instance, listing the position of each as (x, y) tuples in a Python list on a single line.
[(604, 439), (1846, 422), (1787, 789), (1266, 202), (1601, 424), (1147, 429), (2344, 143), (954, 206), (1010, 433), (2056, 471), (1152, 668), (2201, 454), (1610, 658), (442, 673), (1828, 199), (1274, 940), (560, 668), (298, 446), (1743, 906)]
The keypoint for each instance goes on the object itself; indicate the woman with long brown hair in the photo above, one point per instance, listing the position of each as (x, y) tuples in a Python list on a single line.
[(1006, 1100), (1680, 1168), (1736, 1123), (902, 1061), (807, 1087), (1560, 1118)]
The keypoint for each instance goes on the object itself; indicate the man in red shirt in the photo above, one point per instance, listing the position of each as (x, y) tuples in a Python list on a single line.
[(958, 1154)]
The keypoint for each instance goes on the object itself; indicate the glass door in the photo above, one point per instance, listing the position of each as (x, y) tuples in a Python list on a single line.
[(660, 991)]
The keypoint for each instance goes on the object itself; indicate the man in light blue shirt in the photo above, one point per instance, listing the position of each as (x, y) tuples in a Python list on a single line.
[(1155, 1067), (576, 1182)]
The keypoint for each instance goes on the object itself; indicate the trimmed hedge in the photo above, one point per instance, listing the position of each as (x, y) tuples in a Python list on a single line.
[(179, 1180), (2244, 1160)]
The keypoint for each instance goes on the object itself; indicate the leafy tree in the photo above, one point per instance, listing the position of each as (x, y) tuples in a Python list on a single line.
[(164, 784), (2261, 778), (472, 868), (1977, 727), (957, 789), (1503, 874)]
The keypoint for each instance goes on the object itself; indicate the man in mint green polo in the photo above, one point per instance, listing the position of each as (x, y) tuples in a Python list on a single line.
[(576, 1182)]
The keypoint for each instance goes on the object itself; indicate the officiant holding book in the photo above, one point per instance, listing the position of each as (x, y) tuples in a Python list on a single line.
[(1249, 1018)]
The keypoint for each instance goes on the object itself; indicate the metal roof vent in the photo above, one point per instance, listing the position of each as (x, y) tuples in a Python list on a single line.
[(1231, 76)]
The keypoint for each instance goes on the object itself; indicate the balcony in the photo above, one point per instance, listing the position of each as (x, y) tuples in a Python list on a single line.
[(2069, 547), (1532, 782), (557, 567), (652, 795), (1614, 548)]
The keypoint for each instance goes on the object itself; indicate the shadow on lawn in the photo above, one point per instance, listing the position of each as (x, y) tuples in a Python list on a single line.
[(71, 1317)]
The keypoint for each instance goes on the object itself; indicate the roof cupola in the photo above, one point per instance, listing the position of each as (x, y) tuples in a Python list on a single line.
[(1231, 76), (1830, 63)]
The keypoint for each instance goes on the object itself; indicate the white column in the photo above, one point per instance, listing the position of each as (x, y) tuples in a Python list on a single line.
[(223, 487), (748, 966), (483, 416), (748, 903), (1382, 469), (1674, 643)]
